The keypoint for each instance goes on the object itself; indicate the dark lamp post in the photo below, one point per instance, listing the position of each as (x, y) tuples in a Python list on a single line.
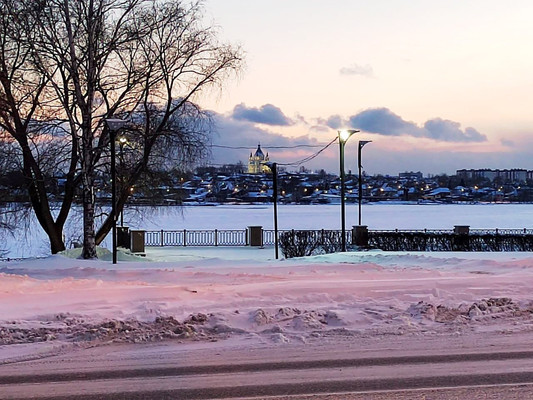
[(344, 135), (122, 142), (360, 197), (274, 168), (114, 125)]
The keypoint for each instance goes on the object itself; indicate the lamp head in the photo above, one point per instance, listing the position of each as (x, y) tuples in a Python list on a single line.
[(345, 134), (363, 142), (271, 165), (115, 124), (122, 140)]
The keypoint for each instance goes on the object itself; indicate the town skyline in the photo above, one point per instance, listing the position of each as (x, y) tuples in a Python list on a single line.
[(432, 84), (350, 165)]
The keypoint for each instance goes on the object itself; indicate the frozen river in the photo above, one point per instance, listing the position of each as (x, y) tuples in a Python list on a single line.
[(376, 216)]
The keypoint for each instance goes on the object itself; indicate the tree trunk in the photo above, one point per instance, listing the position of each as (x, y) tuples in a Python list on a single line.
[(87, 173), (89, 242), (56, 240), (39, 200)]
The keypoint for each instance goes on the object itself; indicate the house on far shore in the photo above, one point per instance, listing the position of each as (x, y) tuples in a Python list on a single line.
[(440, 193)]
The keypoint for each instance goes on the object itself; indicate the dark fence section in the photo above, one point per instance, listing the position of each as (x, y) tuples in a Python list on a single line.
[(294, 243), (448, 240)]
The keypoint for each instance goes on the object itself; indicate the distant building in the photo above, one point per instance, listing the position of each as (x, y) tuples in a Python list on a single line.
[(411, 176), (256, 162), (506, 175), (516, 175)]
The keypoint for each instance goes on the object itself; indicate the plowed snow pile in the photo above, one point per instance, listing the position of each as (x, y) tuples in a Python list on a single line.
[(70, 302)]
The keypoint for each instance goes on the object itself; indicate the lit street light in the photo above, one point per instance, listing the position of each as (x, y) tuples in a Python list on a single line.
[(361, 145), (274, 168), (114, 125), (344, 135)]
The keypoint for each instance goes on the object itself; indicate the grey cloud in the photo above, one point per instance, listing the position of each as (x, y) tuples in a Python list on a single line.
[(355, 69), (301, 119), (267, 114), (507, 142), (450, 131), (382, 121), (238, 133), (334, 122)]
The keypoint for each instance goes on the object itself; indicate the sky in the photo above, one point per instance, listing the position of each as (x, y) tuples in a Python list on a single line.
[(435, 85)]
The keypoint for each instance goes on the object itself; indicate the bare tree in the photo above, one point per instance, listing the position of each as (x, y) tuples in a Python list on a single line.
[(79, 63), (23, 95)]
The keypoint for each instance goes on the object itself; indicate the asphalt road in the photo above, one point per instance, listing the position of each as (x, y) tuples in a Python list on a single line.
[(404, 369)]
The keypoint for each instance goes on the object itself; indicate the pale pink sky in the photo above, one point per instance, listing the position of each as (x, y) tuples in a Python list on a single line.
[(391, 66)]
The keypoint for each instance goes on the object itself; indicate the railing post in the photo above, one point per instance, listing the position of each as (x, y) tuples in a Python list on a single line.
[(256, 235), (462, 229), (162, 238), (137, 241), (216, 239), (360, 235), (461, 238), (123, 237), (185, 238)]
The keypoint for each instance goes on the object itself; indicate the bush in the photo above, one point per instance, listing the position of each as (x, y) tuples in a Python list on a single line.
[(307, 243)]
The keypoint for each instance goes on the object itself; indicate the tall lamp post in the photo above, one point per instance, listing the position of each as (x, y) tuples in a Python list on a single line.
[(344, 135), (274, 168), (122, 141), (114, 125), (360, 197)]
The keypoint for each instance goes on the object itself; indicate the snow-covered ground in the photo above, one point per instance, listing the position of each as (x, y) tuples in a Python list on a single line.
[(56, 303), (207, 294)]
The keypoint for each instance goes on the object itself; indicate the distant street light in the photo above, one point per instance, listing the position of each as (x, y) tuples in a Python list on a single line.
[(114, 125), (361, 145), (344, 135)]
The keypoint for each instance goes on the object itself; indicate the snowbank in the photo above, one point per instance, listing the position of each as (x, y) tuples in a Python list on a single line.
[(201, 295)]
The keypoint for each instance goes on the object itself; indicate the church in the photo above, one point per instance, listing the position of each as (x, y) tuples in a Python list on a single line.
[(256, 162)]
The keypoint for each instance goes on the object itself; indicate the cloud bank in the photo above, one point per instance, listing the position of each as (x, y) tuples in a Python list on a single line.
[(382, 121), (239, 138), (267, 114)]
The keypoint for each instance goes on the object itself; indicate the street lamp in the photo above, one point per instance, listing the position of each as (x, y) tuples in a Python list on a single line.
[(122, 141), (344, 135), (114, 125), (274, 168), (361, 145)]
